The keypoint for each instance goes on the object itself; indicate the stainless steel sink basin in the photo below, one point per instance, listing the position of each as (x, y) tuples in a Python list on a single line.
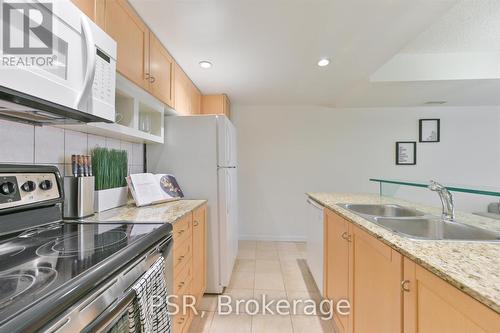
[(415, 224), (434, 228), (382, 210)]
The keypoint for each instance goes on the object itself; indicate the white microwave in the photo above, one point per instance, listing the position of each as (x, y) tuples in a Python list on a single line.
[(60, 67)]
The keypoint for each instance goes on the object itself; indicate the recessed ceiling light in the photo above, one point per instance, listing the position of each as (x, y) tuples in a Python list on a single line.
[(323, 62), (205, 64)]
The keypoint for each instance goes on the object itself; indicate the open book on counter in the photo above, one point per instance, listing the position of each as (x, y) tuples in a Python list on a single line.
[(150, 189)]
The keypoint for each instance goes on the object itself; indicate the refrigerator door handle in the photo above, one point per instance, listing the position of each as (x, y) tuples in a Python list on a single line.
[(229, 147), (226, 167), (229, 194)]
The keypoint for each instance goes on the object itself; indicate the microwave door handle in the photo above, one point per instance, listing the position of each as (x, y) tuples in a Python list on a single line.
[(91, 61)]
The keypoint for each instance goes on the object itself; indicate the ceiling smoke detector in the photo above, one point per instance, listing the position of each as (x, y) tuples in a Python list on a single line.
[(435, 103)]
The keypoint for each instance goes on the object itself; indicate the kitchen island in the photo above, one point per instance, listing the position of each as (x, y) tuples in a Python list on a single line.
[(467, 270)]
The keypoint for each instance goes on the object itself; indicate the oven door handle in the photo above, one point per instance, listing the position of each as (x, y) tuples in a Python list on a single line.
[(106, 317), (165, 247)]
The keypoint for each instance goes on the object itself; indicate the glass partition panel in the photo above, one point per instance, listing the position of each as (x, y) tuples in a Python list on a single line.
[(480, 200)]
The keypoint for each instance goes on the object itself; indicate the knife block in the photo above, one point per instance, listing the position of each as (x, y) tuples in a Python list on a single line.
[(78, 197)]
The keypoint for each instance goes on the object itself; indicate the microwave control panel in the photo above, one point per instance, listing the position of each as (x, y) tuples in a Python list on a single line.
[(103, 87)]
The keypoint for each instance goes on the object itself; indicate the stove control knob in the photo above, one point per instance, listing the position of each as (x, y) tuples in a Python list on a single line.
[(46, 185), (7, 188), (29, 186)]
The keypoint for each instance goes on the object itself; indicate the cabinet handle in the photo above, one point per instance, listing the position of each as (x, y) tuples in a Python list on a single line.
[(195, 223), (346, 236), (152, 79), (405, 286)]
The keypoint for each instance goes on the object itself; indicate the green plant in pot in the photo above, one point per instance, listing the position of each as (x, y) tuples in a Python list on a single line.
[(110, 172), (109, 167)]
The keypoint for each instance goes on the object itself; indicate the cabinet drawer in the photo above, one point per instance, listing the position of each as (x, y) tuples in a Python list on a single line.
[(180, 322), (189, 321), (182, 254), (182, 278), (182, 230)]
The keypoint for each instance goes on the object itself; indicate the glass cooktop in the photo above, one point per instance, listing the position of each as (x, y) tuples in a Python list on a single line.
[(36, 262)]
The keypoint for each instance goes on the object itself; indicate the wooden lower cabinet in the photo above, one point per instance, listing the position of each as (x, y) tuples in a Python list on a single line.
[(189, 261), (431, 305), (199, 252), (389, 292), (336, 263), (375, 289)]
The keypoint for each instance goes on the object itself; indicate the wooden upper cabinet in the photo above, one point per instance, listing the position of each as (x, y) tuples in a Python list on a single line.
[(92, 8), (433, 305), (181, 104), (216, 104), (141, 56), (195, 97), (375, 288), (336, 263), (187, 96), (199, 252), (132, 36), (161, 71)]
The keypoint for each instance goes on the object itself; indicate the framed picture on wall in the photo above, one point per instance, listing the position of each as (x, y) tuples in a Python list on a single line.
[(406, 153), (429, 130)]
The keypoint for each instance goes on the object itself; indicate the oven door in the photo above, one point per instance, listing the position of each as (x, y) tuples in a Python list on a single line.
[(115, 319), (106, 309)]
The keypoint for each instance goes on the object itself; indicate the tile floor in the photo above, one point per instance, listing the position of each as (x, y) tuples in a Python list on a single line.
[(276, 269)]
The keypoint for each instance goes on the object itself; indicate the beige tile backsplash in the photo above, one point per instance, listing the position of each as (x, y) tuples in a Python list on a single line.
[(16, 143), (27, 144)]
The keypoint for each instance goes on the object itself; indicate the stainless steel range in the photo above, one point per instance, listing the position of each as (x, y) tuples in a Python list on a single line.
[(58, 276)]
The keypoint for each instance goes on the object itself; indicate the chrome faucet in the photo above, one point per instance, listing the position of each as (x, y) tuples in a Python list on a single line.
[(446, 200)]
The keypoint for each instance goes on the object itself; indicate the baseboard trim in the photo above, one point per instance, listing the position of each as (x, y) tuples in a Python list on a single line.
[(273, 238)]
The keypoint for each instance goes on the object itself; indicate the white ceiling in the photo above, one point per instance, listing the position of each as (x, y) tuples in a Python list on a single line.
[(265, 51), (471, 25)]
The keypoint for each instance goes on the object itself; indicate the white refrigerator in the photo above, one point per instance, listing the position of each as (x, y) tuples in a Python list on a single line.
[(200, 151)]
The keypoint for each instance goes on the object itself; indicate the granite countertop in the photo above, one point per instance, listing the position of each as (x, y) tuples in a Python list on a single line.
[(168, 212), (473, 267)]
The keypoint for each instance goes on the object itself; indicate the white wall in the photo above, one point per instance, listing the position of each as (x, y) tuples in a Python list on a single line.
[(284, 152)]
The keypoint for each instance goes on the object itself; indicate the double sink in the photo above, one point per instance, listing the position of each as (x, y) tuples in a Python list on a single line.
[(414, 224)]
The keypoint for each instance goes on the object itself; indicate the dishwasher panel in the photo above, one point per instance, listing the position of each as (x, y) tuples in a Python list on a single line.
[(315, 242)]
